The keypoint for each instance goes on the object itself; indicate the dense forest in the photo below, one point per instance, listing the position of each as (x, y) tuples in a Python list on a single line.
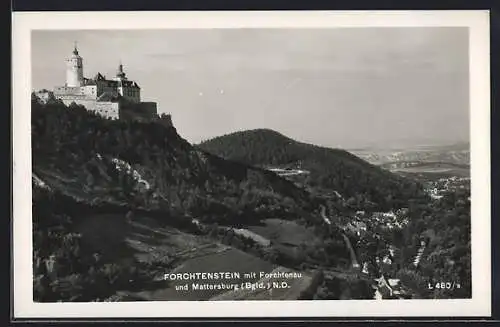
[(445, 227), (364, 186)]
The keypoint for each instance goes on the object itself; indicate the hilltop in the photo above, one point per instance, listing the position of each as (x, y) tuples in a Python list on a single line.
[(361, 184)]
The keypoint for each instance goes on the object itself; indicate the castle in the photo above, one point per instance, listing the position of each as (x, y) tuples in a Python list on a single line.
[(116, 98)]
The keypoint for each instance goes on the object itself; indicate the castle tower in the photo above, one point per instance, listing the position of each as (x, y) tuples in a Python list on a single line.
[(74, 69), (120, 74)]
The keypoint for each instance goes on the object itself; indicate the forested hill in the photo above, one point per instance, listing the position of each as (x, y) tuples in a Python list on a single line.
[(148, 165), (361, 183)]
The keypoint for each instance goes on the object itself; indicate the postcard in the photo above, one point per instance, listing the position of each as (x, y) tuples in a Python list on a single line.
[(251, 164)]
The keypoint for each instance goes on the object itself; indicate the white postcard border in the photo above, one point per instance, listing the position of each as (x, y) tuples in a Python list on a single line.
[(478, 23)]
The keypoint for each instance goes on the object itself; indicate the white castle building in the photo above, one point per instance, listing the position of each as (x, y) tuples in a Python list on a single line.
[(114, 98)]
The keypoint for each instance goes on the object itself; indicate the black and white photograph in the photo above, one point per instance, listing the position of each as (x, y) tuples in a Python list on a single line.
[(254, 164)]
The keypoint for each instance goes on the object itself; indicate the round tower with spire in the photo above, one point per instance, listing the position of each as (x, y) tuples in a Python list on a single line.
[(74, 69)]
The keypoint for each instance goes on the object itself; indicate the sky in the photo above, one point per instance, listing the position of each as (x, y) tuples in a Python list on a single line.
[(336, 87)]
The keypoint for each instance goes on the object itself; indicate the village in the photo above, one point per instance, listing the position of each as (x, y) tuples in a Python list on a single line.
[(437, 188)]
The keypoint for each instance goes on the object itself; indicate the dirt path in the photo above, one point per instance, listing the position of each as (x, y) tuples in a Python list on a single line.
[(354, 260)]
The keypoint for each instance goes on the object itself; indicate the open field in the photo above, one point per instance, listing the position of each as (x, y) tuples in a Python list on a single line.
[(433, 171), (283, 231), (436, 168)]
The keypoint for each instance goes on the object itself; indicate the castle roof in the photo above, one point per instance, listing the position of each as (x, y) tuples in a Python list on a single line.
[(99, 77), (113, 83), (129, 84), (119, 81)]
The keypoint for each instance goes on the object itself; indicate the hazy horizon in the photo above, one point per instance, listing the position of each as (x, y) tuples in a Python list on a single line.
[(336, 87)]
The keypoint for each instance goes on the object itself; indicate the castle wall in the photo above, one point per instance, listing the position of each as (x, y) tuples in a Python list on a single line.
[(138, 111), (86, 96), (68, 90), (149, 109), (76, 93), (68, 99), (90, 91), (104, 108)]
